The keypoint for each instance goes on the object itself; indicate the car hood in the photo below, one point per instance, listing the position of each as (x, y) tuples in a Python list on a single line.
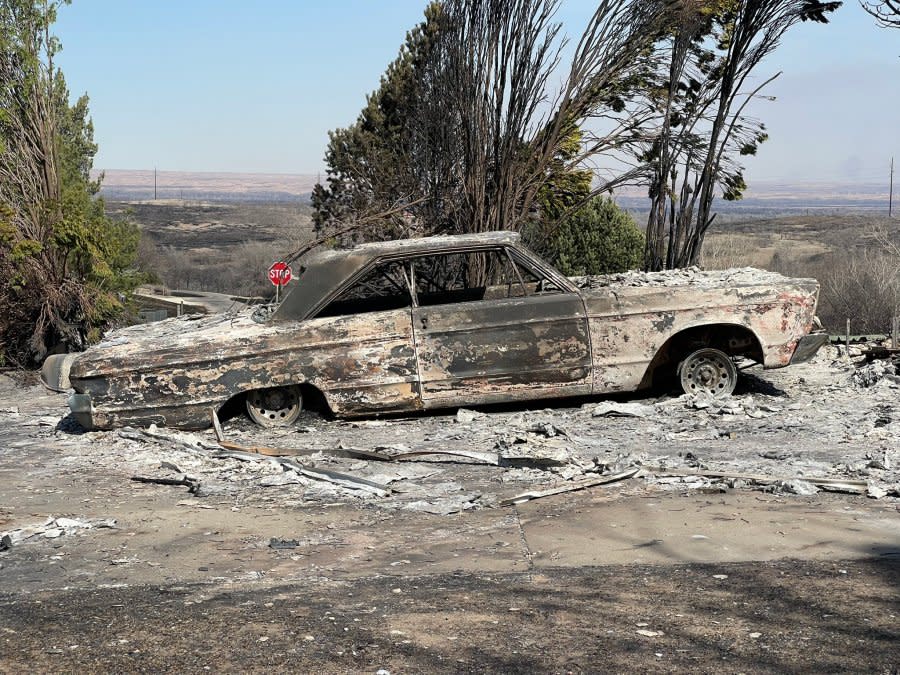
[(192, 337)]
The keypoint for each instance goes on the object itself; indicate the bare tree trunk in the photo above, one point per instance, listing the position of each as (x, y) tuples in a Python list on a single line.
[(712, 130), (487, 133)]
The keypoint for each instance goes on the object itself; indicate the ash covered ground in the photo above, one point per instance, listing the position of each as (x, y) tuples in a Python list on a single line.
[(833, 418), (811, 462)]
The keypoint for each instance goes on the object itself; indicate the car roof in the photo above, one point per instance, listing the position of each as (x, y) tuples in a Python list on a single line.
[(325, 270)]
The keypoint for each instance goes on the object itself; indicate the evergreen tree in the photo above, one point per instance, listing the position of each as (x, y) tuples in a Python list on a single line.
[(598, 238), (473, 127), (63, 262), (372, 164)]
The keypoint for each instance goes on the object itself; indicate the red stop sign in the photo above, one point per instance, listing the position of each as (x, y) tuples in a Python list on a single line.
[(280, 274)]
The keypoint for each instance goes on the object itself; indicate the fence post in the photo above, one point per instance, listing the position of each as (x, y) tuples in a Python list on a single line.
[(895, 332), (847, 343)]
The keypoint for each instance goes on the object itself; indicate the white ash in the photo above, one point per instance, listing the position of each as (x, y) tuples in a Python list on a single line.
[(687, 276)]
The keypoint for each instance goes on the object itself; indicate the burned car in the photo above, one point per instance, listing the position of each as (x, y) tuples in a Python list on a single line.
[(438, 322)]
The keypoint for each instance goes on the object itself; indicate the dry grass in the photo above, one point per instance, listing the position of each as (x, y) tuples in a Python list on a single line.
[(853, 257), (226, 248)]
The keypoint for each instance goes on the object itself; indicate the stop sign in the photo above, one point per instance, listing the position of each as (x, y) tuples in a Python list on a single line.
[(280, 274)]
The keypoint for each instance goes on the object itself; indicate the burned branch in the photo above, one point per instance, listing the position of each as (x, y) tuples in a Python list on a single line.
[(703, 62), (886, 12), (482, 163)]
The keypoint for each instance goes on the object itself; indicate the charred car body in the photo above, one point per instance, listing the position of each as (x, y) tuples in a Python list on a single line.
[(441, 322)]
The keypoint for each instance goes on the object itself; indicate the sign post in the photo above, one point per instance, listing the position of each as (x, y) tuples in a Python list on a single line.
[(279, 274)]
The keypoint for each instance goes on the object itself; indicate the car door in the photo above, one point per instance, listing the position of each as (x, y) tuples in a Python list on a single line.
[(489, 329), (362, 351)]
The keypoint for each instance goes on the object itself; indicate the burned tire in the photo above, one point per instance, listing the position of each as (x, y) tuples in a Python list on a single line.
[(708, 371), (275, 406)]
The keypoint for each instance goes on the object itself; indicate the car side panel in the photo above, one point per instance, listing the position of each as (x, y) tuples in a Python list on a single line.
[(361, 362), (630, 327), (503, 350)]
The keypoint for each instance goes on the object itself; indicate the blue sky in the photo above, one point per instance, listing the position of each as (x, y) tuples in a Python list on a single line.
[(230, 85)]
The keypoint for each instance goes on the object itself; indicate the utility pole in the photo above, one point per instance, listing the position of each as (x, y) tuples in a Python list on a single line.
[(891, 191)]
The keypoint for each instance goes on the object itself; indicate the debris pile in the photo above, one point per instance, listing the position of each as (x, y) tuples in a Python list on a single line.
[(52, 528), (465, 463), (879, 370), (795, 431)]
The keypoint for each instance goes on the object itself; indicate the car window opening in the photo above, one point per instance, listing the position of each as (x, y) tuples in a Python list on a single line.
[(473, 277), (443, 279), (384, 288)]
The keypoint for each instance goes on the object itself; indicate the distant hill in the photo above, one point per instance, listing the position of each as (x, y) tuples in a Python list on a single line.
[(138, 185), (762, 196), (773, 198)]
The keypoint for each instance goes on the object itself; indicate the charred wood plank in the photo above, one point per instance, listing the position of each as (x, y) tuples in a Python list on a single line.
[(192, 484), (571, 487)]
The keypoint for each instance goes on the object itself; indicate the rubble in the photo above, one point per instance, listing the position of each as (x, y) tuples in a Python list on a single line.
[(877, 371), (53, 527), (444, 506), (537, 448), (465, 416), (570, 487), (630, 409), (793, 431), (796, 487), (728, 405)]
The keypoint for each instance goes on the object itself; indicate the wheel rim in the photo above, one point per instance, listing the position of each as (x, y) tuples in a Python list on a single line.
[(275, 406), (708, 371)]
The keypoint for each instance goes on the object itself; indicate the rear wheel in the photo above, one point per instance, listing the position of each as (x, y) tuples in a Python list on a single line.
[(708, 371), (275, 406)]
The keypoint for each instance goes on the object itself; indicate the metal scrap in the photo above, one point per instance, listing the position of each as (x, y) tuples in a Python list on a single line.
[(613, 409), (352, 453), (832, 484), (338, 478), (491, 458), (183, 441), (53, 527), (335, 477)]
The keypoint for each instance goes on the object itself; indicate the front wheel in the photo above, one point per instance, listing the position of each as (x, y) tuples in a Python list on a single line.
[(275, 406), (708, 371)]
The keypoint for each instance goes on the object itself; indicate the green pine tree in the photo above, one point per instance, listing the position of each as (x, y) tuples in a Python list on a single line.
[(63, 263), (598, 238)]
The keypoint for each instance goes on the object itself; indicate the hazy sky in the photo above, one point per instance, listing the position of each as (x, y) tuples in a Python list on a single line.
[(230, 85)]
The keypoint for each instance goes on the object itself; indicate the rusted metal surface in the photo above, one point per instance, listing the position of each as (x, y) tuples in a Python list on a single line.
[(630, 325), (482, 352), (551, 338)]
